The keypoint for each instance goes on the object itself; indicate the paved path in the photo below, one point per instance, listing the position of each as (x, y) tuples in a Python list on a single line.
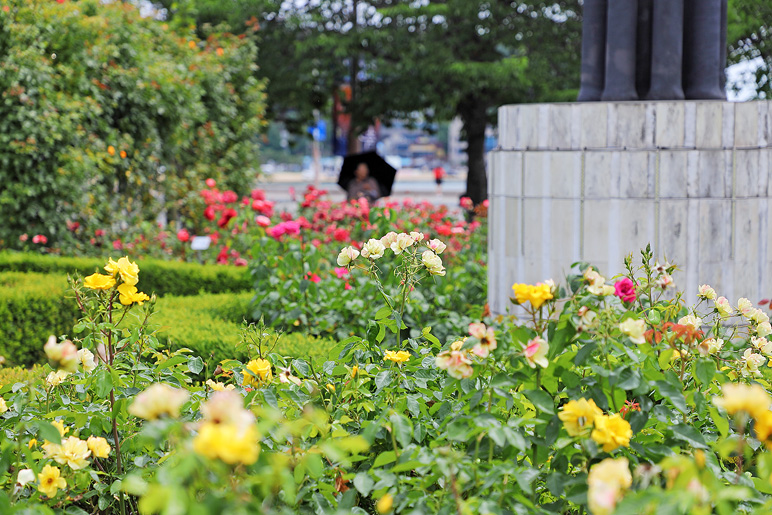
[(415, 185)]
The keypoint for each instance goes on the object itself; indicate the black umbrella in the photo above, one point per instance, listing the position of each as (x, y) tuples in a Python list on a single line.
[(380, 170)]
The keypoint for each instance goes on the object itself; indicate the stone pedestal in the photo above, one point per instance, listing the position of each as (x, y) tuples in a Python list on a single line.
[(597, 181)]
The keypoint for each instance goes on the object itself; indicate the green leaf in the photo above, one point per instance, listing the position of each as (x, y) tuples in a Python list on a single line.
[(103, 382), (382, 379), (672, 394), (525, 477), (664, 359), (402, 429), (195, 365), (382, 313), (705, 369), (384, 458), (584, 352), (541, 400), (722, 424), (270, 398), (629, 379), (175, 360), (48, 432), (363, 483), (689, 434)]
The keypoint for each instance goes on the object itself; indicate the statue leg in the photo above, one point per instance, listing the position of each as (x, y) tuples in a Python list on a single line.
[(667, 50), (702, 49), (621, 31), (593, 50), (643, 44)]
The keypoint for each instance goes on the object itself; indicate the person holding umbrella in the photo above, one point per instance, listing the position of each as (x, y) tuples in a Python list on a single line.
[(362, 185), (366, 175)]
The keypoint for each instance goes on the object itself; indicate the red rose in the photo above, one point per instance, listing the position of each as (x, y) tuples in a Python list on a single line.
[(183, 235)]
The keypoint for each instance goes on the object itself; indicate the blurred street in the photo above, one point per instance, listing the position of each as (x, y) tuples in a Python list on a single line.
[(410, 183)]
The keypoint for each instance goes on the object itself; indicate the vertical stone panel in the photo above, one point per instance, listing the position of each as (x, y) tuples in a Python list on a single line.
[(748, 182), (746, 124), (709, 128), (636, 177), (669, 124), (594, 125), (672, 173), (600, 179)]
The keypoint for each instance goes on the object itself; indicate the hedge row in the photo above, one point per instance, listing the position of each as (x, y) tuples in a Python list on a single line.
[(211, 325), (156, 276), (33, 306)]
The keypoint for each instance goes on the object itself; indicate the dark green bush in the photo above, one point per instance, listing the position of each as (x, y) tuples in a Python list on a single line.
[(32, 307), (156, 276), (210, 326)]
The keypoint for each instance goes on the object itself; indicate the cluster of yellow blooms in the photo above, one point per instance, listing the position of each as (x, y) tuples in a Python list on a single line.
[(261, 369), (537, 295), (610, 431), (129, 276), (227, 431), (753, 401), (72, 452), (397, 357)]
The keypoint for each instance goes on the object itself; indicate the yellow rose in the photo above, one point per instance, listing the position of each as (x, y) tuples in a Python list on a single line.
[(158, 399), (3, 406), (129, 295), (128, 271), (98, 446), (537, 295), (231, 443), (261, 368), (73, 452), (50, 481), (607, 482), (397, 357), (384, 504), (577, 416), (99, 282), (219, 387), (612, 431), (752, 400)]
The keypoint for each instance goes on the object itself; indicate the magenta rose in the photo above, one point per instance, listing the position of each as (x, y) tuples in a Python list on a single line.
[(625, 290)]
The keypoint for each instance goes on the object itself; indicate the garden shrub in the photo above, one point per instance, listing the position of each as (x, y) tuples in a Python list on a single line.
[(211, 327), (13, 375), (159, 277), (32, 307), (95, 94)]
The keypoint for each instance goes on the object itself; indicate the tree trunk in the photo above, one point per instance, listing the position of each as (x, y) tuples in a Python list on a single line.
[(474, 115)]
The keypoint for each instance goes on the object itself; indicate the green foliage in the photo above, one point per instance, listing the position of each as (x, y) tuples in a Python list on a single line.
[(749, 36), (13, 375), (158, 277), (104, 112), (32, 307), (211, 325)]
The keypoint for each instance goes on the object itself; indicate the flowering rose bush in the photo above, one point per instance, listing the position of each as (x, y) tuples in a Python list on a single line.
[(580, 401)]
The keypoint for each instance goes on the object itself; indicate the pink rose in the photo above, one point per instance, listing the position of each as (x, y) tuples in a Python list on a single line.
[(340, 272), (211, 183), (263, 221), (625, 290)]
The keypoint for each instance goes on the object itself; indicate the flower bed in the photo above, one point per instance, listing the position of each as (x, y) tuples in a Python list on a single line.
[(599, 397)]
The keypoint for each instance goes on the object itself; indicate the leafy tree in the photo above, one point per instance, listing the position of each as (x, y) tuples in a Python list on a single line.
[(441, 58), (749, 36), (107, 117)]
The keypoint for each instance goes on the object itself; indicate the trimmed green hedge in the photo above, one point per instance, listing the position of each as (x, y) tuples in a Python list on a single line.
[(32, 307), (156, 276), (210, 326)]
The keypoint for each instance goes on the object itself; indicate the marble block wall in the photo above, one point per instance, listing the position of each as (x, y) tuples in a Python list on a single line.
[(597, 181)]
